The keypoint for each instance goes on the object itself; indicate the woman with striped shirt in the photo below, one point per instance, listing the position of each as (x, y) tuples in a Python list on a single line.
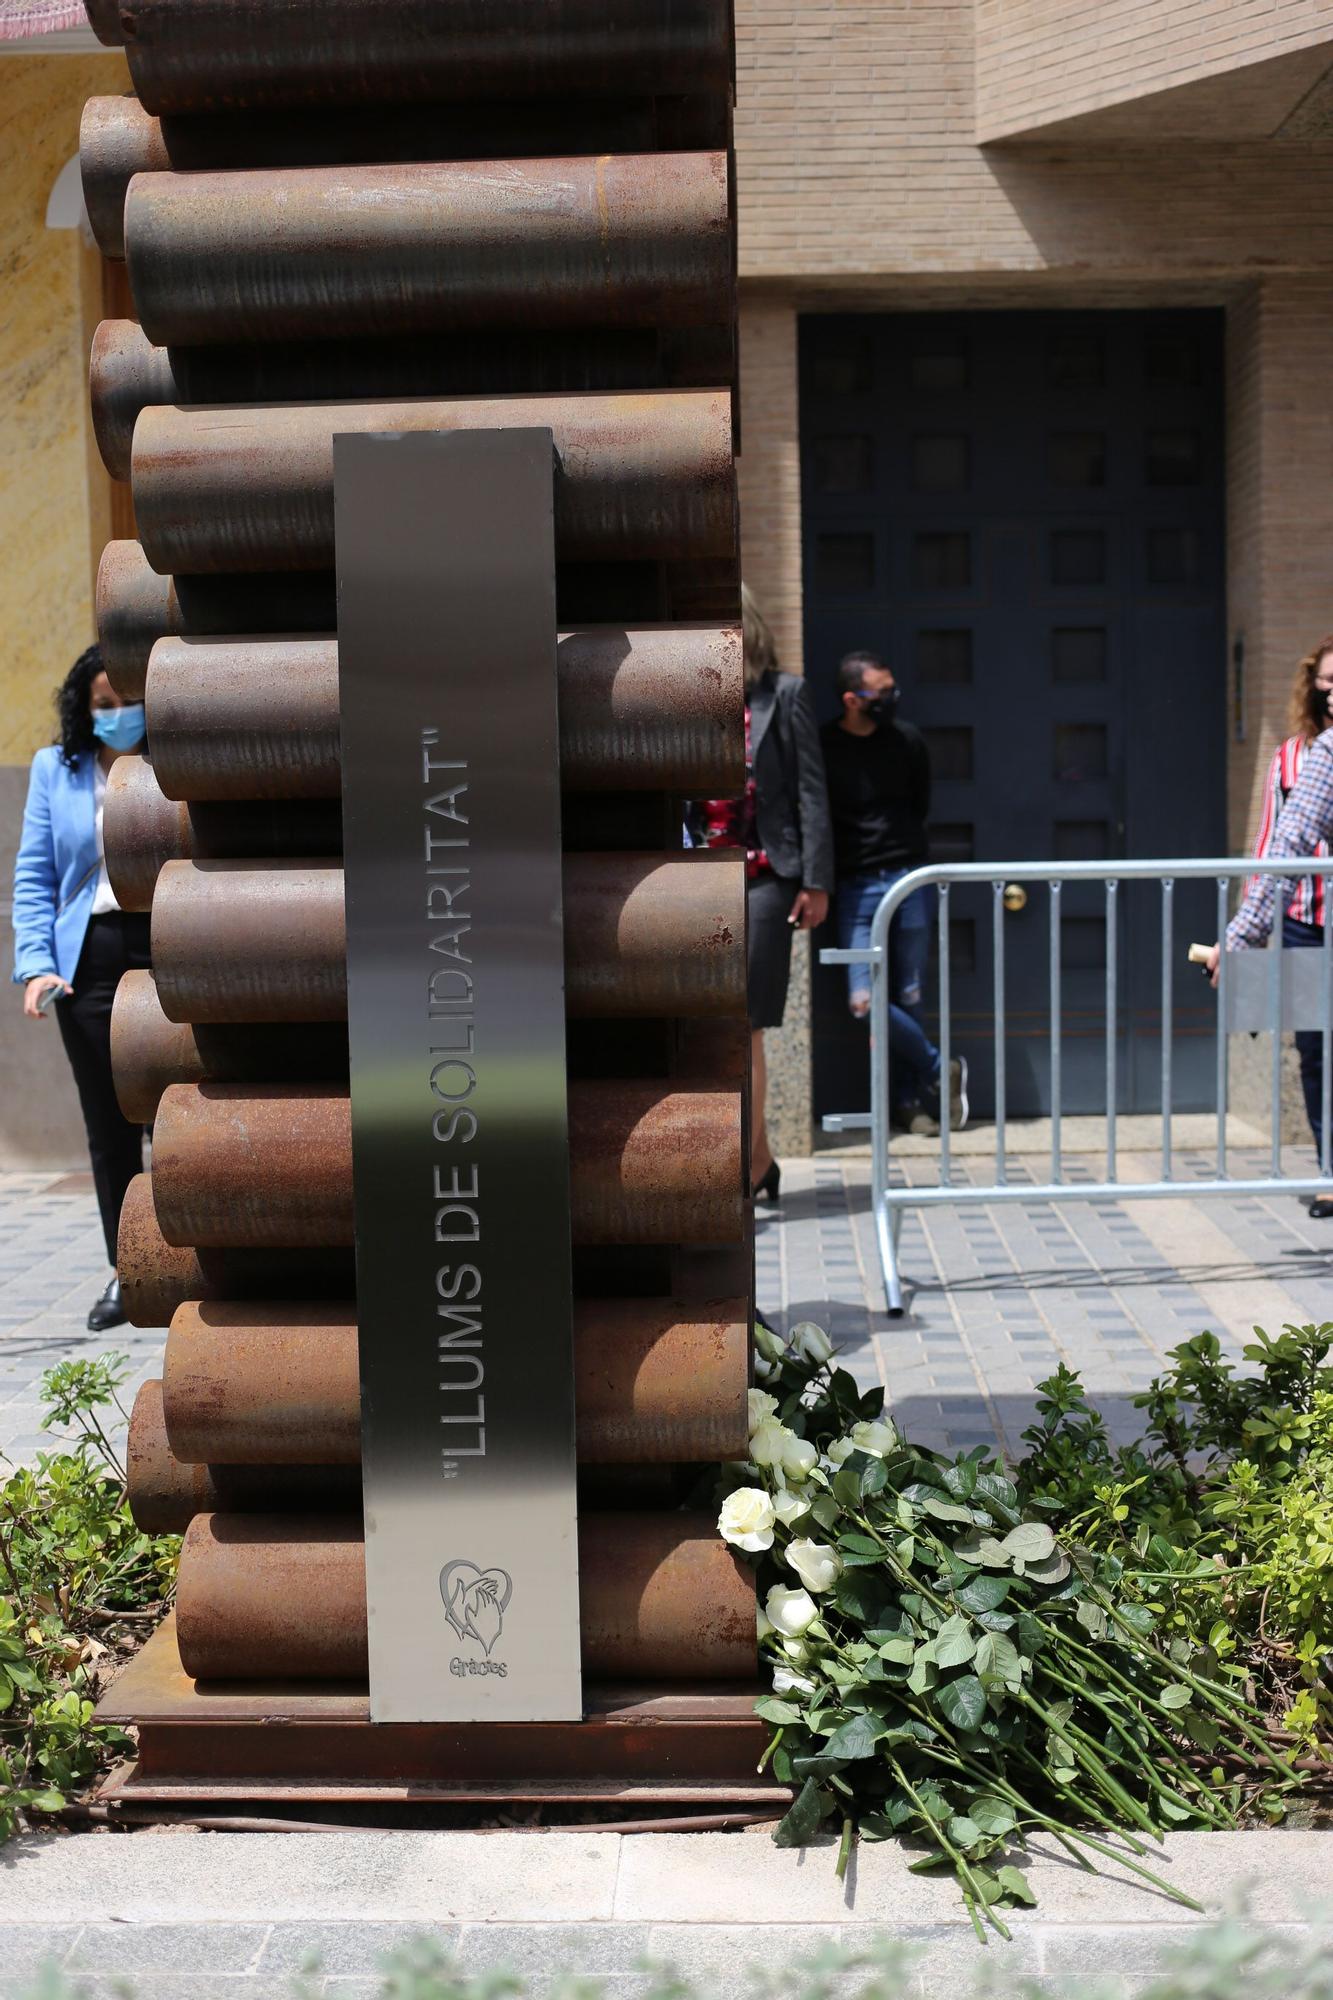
[(1303, 916)]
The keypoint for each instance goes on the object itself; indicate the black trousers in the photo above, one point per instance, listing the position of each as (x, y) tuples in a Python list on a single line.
[(115, 944)]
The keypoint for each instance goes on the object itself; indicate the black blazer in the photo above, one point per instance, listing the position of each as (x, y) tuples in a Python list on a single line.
[(791, 799)]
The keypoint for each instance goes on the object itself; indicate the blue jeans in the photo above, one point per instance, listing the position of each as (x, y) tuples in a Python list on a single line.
[(914, 1061)]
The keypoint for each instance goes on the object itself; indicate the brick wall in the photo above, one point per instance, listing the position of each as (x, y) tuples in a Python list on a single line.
[(1042, 60), (857, 157)]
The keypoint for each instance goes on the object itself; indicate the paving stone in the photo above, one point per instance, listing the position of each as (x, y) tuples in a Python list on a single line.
[(344, 1948), (185, 1948)]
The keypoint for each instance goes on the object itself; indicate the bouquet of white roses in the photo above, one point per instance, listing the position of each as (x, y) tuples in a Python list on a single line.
[(942, 1668)]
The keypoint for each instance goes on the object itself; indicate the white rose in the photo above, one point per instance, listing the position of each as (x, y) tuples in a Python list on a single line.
[(790, 1507), (796, 1649), (817, 1565), (826, 1511), (879, 1439), (768, 1442), (799, 1459), (761, 1405), (763, 1624), (792, 1611), (810, 1343), (764, 1370), (839, 1451), (746, 1520), (786, 1682), (768, 1344)]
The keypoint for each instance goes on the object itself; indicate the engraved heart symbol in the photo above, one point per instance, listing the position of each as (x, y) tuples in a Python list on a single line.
[(475, 1601)]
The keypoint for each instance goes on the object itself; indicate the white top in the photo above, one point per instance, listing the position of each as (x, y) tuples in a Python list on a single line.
[(104, 896)]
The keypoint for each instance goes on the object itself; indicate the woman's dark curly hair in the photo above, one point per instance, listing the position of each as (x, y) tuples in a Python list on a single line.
[(74, 707)]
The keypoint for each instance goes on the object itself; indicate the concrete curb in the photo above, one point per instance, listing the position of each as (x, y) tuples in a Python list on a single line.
[(192, 1914)]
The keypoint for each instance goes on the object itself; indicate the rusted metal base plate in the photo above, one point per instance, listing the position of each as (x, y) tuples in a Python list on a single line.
[(695, 1746)]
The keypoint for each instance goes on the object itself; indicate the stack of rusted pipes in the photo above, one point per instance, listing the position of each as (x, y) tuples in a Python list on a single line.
[(342, 216)]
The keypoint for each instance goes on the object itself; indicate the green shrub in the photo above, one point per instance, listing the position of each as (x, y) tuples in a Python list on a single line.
[(79, 1587)]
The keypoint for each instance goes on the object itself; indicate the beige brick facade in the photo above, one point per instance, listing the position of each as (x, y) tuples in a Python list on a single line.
[(1041, 62), (863, 188)]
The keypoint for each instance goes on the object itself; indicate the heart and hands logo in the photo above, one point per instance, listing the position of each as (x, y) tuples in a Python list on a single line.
[(475, 1601)]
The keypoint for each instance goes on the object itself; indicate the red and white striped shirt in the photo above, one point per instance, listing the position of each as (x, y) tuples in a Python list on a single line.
[(1307, 899)]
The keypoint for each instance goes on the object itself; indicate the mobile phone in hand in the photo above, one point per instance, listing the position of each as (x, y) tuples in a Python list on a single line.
[(49, 998)]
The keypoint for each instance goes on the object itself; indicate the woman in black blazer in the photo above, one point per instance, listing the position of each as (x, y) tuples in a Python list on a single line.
[(783, 824)]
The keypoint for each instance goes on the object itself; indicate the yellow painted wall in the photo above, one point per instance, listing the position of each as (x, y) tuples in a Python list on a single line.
[(48, 292)]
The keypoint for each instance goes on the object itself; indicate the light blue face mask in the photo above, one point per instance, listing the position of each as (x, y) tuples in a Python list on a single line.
[(120, 728)]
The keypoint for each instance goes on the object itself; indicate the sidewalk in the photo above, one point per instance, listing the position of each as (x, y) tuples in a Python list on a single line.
[(997, 1296)]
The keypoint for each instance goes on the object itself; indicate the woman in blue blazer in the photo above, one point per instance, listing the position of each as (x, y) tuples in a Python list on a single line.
[(73, 942)]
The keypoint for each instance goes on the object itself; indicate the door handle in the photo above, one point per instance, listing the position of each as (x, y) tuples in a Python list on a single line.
[(1015, 897)]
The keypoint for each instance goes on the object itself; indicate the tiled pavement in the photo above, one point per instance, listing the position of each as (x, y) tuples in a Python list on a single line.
[(997, 1296), (52, 1267)]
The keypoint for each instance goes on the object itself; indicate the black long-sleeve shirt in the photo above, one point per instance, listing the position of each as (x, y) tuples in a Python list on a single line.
[(879, 796)]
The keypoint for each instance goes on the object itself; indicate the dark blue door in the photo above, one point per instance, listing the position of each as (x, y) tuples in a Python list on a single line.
[(1022, 512)]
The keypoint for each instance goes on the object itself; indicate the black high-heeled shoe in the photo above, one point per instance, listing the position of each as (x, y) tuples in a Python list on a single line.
[(767, 1188)]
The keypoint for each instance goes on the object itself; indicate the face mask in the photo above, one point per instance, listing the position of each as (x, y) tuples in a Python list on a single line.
[(882, 708), (120, 728)]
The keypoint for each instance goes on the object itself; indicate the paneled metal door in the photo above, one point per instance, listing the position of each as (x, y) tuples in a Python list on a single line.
[(1022, 512)]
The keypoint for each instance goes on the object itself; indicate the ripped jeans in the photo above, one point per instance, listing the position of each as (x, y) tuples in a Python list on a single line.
[(914, 1061)]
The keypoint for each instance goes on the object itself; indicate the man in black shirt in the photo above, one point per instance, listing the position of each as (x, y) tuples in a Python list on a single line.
[(878, 771)]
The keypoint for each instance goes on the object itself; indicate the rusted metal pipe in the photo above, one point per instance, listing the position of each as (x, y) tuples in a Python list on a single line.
[(650, 935), (263, 1385), (157, 1277), (221, 490), (661, 1597), (136, 607), (277, 1384), (645, 935), (229, 55), (128, 374), (250, 1167), (165, 1495), (656, 708), (148, 1051), (119, 139), (319, 253), (236, 943), (143, 830), (104, 20), (655, 1165)]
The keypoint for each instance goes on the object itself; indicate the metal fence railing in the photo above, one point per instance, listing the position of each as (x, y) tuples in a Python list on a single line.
[(1269, 990)]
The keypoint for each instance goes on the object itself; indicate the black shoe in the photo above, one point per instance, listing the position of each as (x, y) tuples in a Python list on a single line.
[(1321, 1208), (768, 1186), (108, 1311)]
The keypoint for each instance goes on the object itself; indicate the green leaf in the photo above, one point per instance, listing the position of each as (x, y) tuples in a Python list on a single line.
[(962, 1701), (862, 1594), (1052, 1569), (47, 1801), (1175, 1696), (961, 1479), (1015, 1885), (859, 1545), (900, 1652), (780, 1712), (954, 1644), (982, 1550), (856, 1738), (802, 1820), (1092, 1618), (964, 1832), (993, 1816), (1032, 1634), (983, 1593), (946, 1510), (999, 1656), (1029, 1542)]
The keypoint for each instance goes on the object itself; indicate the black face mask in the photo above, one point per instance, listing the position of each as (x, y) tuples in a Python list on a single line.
[(883, 707)]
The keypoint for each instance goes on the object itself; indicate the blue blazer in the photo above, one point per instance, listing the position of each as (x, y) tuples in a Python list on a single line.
[(56, 865)]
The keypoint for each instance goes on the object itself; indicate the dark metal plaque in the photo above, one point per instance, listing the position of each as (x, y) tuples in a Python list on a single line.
[(455, 961)]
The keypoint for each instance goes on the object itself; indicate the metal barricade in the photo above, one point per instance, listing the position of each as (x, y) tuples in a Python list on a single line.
[(1275, 1013)]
